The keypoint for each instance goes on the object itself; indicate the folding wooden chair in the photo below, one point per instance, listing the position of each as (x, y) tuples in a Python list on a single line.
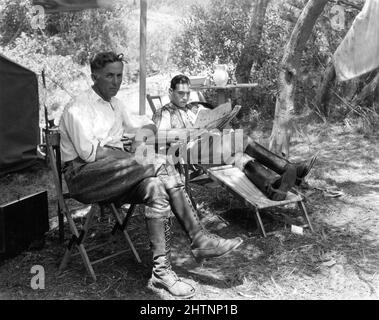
[(237, 183), (78, 237), (150, 100)]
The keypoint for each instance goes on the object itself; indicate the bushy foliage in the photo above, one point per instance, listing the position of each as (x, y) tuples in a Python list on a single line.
[(317, 54), (211, 33), (69, 39), (265, 71), (15, 18), (63, 76), (217, 33), (174, 7), (78, 34), (63, 48)]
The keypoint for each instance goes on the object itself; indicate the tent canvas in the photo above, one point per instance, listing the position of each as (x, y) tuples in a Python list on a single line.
[(358, 53), (19, 116)]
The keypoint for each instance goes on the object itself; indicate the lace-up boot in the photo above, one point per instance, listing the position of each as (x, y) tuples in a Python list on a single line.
[(203, 244), (162, 275)]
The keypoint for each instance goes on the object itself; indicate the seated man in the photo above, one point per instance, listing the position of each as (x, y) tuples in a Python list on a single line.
[(179, 114), (97, 168)]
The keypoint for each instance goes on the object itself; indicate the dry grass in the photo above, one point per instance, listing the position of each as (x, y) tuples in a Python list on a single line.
[(338, 261)]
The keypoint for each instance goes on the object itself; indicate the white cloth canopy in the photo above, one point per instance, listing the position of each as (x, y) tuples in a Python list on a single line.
[(358, 53)]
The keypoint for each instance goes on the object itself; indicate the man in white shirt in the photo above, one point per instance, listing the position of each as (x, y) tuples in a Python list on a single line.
[(98, 169)]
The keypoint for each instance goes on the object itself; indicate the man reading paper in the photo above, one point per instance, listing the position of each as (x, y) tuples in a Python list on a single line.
[(271, 173)]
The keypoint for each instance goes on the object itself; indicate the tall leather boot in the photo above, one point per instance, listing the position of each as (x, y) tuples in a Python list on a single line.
[(278, 164), (203, 244), (303, 169), (162, 275), (274, 186)]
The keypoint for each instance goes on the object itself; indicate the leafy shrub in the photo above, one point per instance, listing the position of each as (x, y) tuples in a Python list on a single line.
[(217, 33), (210, 33)]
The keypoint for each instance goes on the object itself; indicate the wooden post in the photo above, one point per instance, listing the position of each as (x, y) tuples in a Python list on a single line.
[(142, 63)]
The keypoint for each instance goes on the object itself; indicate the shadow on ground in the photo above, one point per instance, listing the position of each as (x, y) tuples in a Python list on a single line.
[(339, 260)]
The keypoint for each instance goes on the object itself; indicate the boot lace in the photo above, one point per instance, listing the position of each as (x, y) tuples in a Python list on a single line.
[(167, 235), (194, 212)]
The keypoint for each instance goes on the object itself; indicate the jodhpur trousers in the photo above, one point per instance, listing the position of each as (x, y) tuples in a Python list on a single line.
[(122, 181)]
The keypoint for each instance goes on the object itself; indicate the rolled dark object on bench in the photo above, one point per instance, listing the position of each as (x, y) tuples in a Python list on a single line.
[(272, 185)]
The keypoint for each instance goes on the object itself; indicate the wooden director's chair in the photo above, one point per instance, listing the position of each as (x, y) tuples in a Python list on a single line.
[(78, 237)]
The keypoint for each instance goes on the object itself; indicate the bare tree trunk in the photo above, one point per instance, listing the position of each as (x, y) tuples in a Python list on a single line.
[(291, 10), (249, 53), (322, 95), (284, 109)]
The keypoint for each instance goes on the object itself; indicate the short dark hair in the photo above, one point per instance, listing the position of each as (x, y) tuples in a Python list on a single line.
[(100, 60), (179, 79)]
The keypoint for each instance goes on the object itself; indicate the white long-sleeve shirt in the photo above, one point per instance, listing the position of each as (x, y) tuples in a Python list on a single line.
[(88, 121)]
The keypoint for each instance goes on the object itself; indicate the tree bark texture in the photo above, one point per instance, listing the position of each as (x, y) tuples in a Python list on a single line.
[(322, 95), (284, 108), (291, 10), (250, 52)]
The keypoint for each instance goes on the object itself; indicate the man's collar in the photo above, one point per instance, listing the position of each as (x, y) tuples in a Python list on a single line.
[(173, 105), (94, 96)]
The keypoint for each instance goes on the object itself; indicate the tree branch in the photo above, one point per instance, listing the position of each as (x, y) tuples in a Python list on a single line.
[(348, 4)]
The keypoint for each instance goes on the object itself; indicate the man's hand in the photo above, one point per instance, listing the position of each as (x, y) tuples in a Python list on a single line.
[(136, 144), (103, 152), (127, 143)]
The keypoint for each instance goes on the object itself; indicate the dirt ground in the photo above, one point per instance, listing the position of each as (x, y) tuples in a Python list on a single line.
[(339, 260)]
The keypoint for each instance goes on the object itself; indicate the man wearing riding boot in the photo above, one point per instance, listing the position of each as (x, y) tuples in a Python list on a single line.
[(272, 174), (98, 169)]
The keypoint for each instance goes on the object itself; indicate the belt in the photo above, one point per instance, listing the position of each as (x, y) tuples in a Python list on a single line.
[(67, 163)]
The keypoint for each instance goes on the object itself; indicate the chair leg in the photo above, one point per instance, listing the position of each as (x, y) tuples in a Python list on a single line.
[(304, 211), (88, 222), (84, 255), (259, 220), (128, 215), (186, 184), (66, 258), (60, 224), (117, 226), (120, 223), (87, 262), (77, 240)]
